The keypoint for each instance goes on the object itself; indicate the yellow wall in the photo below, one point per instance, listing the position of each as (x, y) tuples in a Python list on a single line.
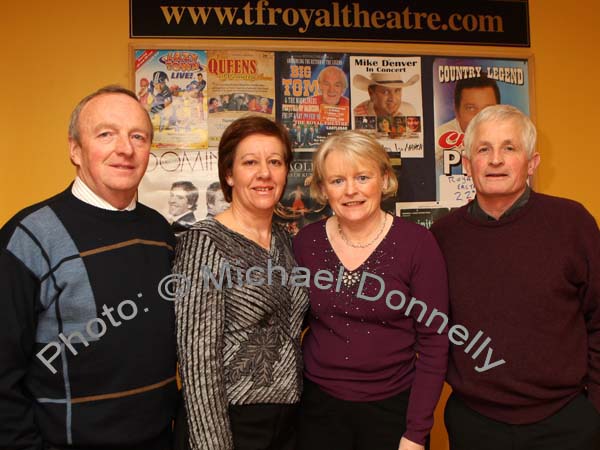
[(55, 52)]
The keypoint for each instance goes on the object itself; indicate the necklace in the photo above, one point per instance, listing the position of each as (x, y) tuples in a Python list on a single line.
[(359, 245)]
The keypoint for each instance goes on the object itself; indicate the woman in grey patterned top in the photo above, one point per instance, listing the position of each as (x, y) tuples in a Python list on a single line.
[(238, 327)]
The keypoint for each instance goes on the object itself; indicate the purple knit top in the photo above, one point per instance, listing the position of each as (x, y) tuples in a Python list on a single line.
[(361, 347)]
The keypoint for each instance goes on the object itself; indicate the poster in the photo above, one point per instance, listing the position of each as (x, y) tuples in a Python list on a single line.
[(183, 186), (296, 208), (241, 82), (425, 213), (171, 85), (386, 101), (314, 91), (462, 87)]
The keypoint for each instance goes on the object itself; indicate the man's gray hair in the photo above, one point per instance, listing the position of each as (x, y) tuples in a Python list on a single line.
[(110, 89), (502, 113), (334, 69)]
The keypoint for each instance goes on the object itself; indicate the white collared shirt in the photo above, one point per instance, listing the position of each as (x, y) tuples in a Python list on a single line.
[(82, 191)]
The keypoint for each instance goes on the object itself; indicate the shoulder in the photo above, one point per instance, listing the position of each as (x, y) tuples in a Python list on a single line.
[(362, 109), (406, 109), (32, 213), (282, 235), (442, 225), (310, 231), (561, 209), (155, 220), (409, 231)]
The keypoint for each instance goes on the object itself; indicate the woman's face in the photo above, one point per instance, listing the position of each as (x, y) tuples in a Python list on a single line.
[(353, 187), (259, 173)]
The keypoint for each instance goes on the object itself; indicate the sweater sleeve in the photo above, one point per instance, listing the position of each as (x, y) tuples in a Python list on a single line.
[(20, 290), (428, 284), (590, 295), (200, 317)]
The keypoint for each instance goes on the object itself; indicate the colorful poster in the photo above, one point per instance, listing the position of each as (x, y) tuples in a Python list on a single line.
[(183, 186), (171, 85), (314, 96), (462, 87), (386, 101), (296, 208), (241, 82)]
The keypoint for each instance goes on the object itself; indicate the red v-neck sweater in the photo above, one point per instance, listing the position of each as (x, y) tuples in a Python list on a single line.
[(530, 282)]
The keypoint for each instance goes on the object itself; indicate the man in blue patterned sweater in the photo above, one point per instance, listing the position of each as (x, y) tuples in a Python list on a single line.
[(88, 348)]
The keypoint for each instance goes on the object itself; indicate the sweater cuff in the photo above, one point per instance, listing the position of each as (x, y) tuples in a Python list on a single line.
[(418, 437)]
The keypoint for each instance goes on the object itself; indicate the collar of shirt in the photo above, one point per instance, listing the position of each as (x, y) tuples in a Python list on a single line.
[(475, 210), (81, 191)]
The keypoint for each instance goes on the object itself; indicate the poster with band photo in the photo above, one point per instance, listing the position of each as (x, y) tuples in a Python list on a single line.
[(241, 82)]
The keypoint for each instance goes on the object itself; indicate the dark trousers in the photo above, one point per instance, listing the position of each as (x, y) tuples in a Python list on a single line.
[(254, 427), (574, 427), (327, 423)]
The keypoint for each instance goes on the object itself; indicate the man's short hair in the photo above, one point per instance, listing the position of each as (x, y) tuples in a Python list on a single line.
[(190, 190), (110, 89), (477, 82), (211, 192), (502, 113), (339, 72)]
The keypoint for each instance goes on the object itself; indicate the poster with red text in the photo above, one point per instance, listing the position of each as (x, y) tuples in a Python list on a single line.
[(241, 82), (462, 88), (171, 85), (314, 94)]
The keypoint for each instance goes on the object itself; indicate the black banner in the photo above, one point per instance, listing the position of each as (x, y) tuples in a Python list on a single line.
[(480, 22)]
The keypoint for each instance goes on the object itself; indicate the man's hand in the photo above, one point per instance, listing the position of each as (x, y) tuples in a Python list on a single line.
[(405, 444)]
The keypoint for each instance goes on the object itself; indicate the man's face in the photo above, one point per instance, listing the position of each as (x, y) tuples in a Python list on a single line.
[(218, 205), (499, 164), (386, 101), (413, 123), (473, 100), (178, 202), (332, 87), (113, 149)]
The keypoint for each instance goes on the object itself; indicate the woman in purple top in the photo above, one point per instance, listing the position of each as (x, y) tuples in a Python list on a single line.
[(376, 353)]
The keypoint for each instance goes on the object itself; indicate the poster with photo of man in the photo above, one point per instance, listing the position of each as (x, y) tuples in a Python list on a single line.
[(462, 88), (313, 95), (183, 186), (385, 91)]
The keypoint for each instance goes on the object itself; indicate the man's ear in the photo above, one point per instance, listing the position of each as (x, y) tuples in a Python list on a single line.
[(466, 163), (533, 163), (74, 152)]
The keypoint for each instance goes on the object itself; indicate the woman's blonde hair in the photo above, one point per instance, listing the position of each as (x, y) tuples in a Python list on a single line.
[(356, 146)]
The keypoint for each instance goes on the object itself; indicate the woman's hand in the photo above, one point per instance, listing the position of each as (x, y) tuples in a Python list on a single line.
[(405, 444)]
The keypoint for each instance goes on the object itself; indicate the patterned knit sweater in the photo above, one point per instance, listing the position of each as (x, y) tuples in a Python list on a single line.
[(238, 329), (87, 345)]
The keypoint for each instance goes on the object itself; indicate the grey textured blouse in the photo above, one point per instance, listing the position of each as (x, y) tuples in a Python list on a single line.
[(238, 327)]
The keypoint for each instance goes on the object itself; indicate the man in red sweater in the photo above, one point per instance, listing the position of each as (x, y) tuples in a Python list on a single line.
[(523, 268)]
